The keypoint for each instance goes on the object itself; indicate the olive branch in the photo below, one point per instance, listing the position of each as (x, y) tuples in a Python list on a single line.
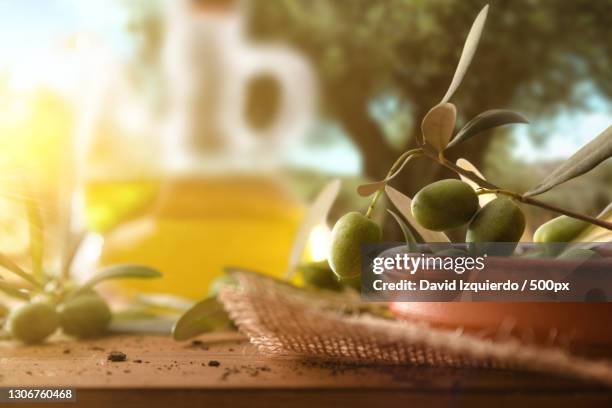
[(436, 137), (46, 294)]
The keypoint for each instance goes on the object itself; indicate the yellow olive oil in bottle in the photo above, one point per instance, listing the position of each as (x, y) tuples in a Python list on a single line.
[(202, 225)]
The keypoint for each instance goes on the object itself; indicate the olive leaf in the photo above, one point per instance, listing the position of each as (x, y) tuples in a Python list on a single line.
[(483, 199), (366, 190), (14, 291), (36, 229), (606, 212), (72, 245), (9, 265), (316, 214), (486, 120), (403, 203), (411, 241), (205, 316), (438, 125), (583, 161), (120, 272), (469, 48), (593, 234)]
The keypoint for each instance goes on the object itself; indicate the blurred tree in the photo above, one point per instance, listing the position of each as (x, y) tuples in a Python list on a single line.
[(533, 57)]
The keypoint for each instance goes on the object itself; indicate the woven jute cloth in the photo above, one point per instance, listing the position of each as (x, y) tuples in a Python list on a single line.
[(284, 320)]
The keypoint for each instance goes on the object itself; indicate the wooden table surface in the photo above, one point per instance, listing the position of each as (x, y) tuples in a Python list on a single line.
[(161, 372)]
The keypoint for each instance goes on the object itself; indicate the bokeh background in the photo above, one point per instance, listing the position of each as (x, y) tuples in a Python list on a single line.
[(379, 65)]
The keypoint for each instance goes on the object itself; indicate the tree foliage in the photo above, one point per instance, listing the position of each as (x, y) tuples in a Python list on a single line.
[(535, 57)]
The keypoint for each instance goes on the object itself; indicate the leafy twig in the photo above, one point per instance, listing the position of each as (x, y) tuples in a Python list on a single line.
[(400, 160)]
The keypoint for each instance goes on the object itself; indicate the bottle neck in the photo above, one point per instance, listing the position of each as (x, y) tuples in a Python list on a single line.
[(194, 140)]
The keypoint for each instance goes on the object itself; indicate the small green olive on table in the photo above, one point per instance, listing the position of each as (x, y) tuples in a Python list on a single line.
[(86, 315), (32, 322)]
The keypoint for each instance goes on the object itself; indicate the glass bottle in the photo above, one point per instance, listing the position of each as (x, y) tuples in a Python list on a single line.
[(219, 200)]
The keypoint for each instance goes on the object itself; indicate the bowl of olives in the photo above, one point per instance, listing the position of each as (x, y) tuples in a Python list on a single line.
[(488, 215)]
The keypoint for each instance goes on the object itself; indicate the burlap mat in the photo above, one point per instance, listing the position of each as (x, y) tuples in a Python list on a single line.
[(283, 320)]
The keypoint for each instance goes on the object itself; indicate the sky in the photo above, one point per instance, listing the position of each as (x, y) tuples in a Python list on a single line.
[(569, 131), (32, 30)]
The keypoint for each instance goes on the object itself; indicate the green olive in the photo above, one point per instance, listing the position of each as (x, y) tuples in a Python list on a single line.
[(444, 205), (319, 275), (350, 232), (86, 315), (33, 322), (219, 283), (499, 221), (560, 229)]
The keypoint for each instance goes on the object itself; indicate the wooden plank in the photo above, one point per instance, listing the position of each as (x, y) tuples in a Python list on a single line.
[(159, 370)]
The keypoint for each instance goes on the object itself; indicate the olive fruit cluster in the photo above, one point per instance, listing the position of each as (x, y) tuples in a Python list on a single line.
[(84, 315), (440, 206), (449, 204)]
